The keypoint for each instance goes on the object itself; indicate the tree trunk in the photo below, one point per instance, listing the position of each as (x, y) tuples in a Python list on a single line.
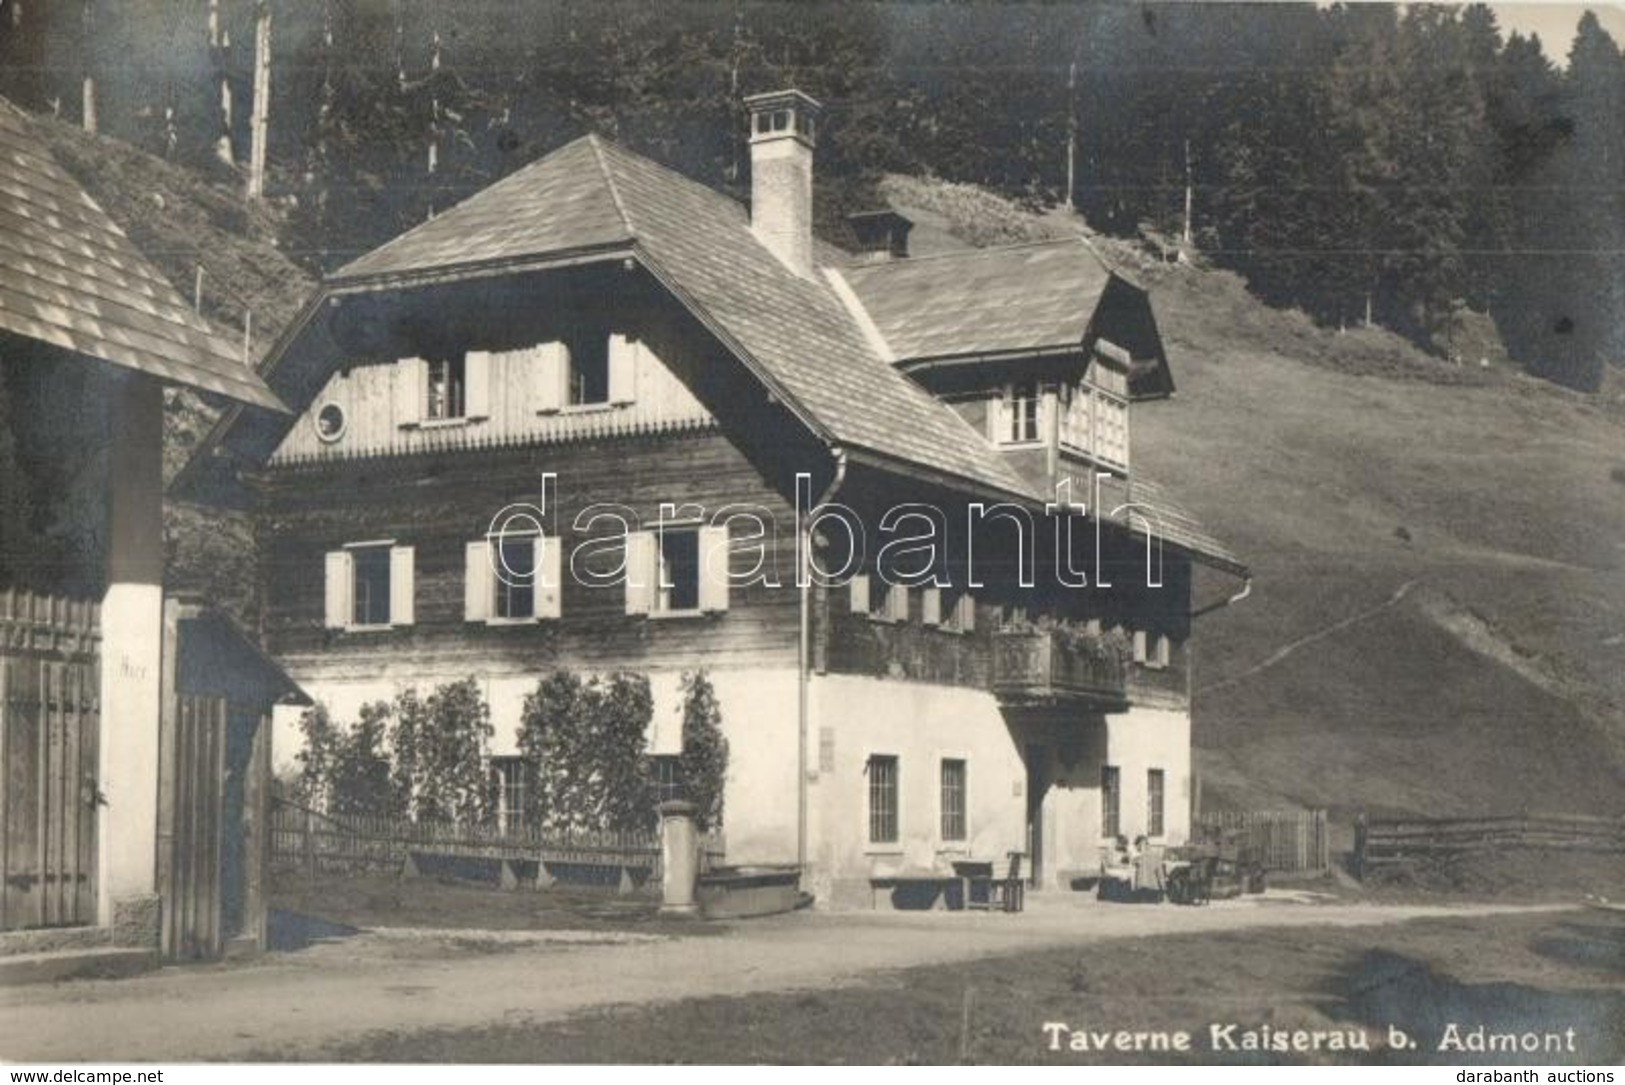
[(1071, 134), (261, 115), (88, 90), (1190, 201), (219, 42), (89, 108)]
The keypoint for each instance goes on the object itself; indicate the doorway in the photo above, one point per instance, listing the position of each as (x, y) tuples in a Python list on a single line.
[(1038, 781)]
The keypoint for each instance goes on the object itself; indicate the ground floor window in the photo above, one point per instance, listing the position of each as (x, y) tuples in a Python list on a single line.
[(953, 800), (882, 772), (1154, 783), (508, 780), (1111, 793)]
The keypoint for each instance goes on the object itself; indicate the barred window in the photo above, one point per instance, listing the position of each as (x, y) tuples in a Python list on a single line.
[(953, 800), (882, 771), (668, 777), (1154, 793), (1111, 794)]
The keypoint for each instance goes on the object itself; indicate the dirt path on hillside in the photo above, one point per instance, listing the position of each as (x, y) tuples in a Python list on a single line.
[(300, 1002)]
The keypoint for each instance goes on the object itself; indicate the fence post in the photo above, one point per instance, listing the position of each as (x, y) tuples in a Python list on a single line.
[(1359, 846), (310, 846)]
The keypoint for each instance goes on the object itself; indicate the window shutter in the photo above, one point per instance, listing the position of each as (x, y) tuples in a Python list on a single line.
[(931, 607), (624, 355), (641, 572), (966, 611), (897, 603), (400, 585), (410, 388), (477, 584), (1139, 646), (549, 374), (477, 384), (340, 608), (999, 416), (714, 555), (860, 593), (550, 583)]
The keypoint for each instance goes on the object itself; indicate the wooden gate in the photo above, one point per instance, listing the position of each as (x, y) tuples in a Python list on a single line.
[(50, 684), (190, 828)]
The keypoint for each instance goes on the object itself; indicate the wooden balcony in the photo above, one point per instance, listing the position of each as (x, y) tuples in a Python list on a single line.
[(1054, 666)]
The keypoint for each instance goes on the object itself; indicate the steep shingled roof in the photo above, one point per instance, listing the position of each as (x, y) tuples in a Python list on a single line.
[(70, 277), (596, 199), (593, 193), (1177, 525), (983, 301)]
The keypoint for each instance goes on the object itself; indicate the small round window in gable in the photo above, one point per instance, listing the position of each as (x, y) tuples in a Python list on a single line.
[(330, 422)]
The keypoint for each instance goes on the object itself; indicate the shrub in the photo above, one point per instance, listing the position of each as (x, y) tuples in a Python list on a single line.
[(438, 745), (344, 770), (586, 741), (703, 765)]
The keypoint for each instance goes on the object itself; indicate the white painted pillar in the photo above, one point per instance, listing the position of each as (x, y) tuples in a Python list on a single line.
[(132, 648), (680, 857)]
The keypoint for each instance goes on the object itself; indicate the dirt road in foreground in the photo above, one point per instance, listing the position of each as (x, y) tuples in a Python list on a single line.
[(329, 993)]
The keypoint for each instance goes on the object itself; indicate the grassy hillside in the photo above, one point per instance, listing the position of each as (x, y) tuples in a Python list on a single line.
[(1438, 619)]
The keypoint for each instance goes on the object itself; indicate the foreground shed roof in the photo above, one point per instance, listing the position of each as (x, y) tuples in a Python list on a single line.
[(70, 277)]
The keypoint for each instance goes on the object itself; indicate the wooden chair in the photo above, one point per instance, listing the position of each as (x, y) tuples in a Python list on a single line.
[(1009, 892)]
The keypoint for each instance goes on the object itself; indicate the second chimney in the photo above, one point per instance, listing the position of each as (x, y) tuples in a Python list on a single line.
[(783, 130)]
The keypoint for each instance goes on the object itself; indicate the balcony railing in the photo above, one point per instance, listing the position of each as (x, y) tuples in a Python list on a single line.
[(1049, 665)]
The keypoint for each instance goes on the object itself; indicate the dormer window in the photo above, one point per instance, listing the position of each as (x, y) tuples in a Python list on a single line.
[(1019, 412), (448, 397)]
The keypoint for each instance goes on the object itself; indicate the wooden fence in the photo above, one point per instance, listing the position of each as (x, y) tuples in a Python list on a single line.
[(191, 828), (312, 842), (1400, 840), (50, 690), (1282, 841)]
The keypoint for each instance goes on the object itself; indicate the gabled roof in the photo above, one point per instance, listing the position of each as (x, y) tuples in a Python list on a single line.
[(793, 332), (1015, 298), (593, 200), (70, 277)]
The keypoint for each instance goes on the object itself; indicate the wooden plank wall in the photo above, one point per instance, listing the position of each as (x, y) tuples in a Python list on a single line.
[(439, 504)]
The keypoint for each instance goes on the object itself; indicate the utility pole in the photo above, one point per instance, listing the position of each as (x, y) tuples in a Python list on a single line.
[(261, 114)]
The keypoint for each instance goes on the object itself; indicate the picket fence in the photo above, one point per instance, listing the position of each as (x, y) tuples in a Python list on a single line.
[(1281, 841), (315, 843)]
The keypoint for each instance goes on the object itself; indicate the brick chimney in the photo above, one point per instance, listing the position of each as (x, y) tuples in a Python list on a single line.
[(783, 128)]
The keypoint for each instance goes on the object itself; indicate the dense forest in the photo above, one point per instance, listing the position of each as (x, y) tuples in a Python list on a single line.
[(1364, 162)]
